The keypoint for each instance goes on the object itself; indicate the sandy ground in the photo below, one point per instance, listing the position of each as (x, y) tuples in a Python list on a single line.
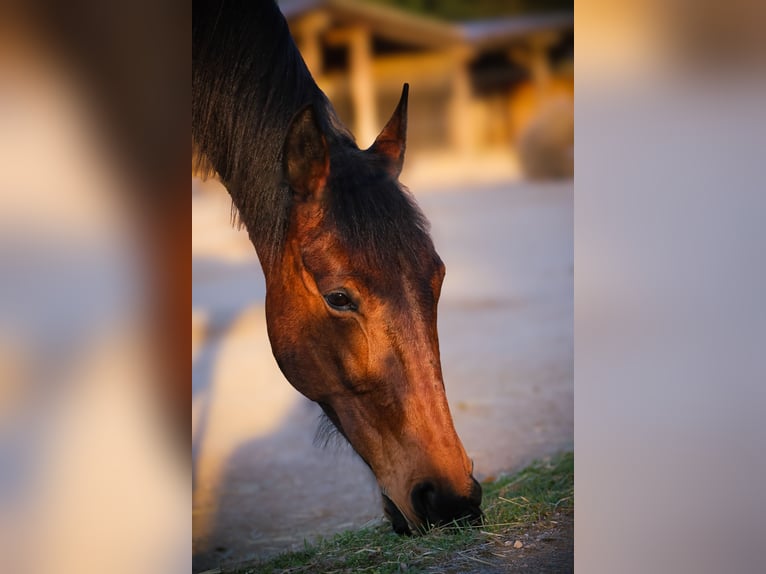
[(506, 333)]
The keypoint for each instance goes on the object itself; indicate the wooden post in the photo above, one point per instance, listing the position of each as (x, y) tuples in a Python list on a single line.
[(307, 32), (461, 130), (362, 86)]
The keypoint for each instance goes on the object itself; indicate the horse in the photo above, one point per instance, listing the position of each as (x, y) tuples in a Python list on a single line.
[(352, 276)]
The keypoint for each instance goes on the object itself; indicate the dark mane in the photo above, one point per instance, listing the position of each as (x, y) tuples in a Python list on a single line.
[(248, 81), (375, 216)]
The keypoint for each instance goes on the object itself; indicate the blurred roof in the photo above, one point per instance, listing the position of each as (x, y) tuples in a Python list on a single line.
[(405, 27), (385, 21), (486, 33)]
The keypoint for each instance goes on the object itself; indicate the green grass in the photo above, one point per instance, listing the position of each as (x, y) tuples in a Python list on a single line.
[(512, 505)]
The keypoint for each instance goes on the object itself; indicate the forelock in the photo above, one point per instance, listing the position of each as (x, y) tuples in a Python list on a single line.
[(376, 218)]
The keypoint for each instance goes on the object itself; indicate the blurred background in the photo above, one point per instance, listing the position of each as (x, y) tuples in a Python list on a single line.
[(492, 81), (490, 161)]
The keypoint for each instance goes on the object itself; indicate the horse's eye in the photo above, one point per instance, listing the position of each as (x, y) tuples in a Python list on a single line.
[(339, 300)]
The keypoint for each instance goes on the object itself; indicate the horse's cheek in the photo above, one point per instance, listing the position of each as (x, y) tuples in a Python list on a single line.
[(291, 333)]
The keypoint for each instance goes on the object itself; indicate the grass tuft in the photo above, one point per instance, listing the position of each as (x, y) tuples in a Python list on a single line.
[(512, 505)]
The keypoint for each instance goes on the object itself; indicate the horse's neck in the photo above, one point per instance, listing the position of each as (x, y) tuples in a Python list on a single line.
[(248, 81)]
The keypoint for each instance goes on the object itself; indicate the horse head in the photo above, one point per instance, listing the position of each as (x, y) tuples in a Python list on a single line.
[(351, 309)]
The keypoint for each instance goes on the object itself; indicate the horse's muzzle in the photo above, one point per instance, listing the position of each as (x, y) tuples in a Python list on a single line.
[(436, 506)]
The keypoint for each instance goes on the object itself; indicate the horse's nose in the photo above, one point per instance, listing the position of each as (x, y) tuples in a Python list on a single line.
[(437, 505)]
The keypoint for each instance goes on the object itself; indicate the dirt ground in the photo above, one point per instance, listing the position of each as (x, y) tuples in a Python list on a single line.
[(506, 336), (548, 548)]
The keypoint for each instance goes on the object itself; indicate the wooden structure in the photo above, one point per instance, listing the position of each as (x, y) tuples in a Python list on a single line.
[(463, 76)]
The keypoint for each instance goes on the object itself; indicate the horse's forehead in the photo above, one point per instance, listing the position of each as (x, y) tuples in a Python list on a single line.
[(377, 270)]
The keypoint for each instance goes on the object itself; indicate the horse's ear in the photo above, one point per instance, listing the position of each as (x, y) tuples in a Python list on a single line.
[(393, 139), (306, 157)]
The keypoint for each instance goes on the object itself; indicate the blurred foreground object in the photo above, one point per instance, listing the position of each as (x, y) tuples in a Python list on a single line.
[(670, 283), (90, 478)]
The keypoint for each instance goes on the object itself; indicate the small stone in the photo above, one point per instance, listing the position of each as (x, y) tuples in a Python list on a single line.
[(518, 544)]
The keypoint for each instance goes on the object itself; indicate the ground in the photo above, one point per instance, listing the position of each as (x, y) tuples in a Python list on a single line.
[(548, 549), (506, 336)]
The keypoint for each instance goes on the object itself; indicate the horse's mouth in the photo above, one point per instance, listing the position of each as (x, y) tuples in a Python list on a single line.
[(399, 523)]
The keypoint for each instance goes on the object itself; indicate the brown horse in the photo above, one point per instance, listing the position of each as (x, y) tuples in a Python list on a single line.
[(352, 276)]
